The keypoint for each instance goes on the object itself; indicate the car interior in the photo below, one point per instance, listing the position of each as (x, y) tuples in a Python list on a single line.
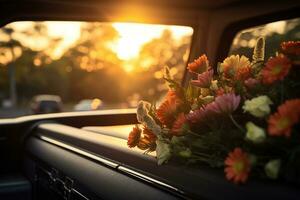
[(84, 155)]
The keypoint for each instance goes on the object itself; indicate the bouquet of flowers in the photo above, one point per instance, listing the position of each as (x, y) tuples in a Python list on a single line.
[(243, 117)]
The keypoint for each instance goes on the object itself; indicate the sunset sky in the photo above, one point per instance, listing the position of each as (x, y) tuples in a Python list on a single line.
[(132, 36)]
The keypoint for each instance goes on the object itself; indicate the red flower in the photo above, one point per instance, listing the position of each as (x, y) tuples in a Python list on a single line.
[(147, 141), (286, 116), (291, 48), (226, 103), (180, 125), (276, 69), (204, 79), (237, 166), (220, 92), (134, 137), (147, 133), (166, 113), (199, 65), (167, 110)]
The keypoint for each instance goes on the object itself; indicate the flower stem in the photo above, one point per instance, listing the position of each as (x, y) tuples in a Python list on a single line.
[(193, 133), (236, 124)]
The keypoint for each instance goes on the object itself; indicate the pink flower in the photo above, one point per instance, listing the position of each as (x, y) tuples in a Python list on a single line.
[(197, 116), (226, 104), (251, 82), (204, 79)]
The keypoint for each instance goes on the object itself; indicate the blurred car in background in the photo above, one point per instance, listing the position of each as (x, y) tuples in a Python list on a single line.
[(88, 104), (42, 104), (7, 103)]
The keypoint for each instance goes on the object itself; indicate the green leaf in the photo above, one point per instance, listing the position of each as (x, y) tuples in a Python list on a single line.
[(163, 151)]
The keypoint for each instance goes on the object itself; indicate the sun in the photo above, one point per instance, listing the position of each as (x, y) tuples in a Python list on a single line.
[(132, 36)]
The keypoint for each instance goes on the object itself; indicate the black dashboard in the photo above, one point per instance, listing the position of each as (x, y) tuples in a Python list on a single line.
[(73, 163)]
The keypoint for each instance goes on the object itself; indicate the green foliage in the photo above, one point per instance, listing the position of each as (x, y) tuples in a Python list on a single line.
[(90, 68)]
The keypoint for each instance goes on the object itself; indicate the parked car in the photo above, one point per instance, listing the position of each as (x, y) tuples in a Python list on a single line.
[(42, 104), (88, 104)]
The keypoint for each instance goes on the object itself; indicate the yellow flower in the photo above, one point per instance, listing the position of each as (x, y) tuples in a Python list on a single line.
[(272, 168), (259, 106), (255, 133), (233, 64)]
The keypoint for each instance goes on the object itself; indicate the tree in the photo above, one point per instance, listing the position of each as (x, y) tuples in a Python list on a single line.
[(12, 49), (11, 45)]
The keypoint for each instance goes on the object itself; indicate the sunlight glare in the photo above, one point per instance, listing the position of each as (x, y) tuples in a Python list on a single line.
[(133, 36), (69, 32)]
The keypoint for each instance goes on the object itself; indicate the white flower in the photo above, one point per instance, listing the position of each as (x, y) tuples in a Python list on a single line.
[(259, 106), (272, 168), (255, 133), (163, 151)]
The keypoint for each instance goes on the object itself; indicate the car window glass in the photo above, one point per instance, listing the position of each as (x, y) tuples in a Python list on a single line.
[(274, 33), (79, 66)]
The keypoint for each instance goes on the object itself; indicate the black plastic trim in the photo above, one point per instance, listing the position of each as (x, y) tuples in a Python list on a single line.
[(107, 183), (118, 167)]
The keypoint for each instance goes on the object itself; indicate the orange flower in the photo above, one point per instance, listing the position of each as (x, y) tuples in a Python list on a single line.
[(199, 65), (143, 144), (180, 125), (243, 73), (286, 116), (172, 97), (237, 166), (291, 48), (276, 69), (147, 141), (134, 137), (147, 133), (167, 110), (166, 113)]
